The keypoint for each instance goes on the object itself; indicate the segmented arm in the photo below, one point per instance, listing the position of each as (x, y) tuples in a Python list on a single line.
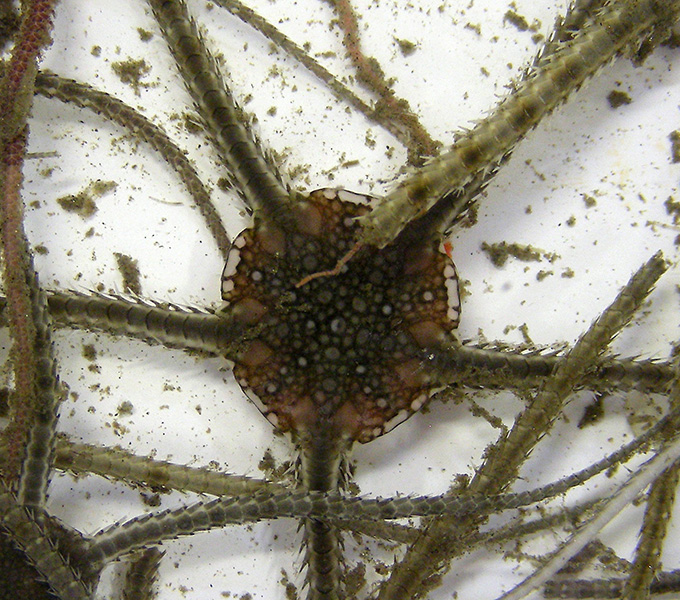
[(174, 327), (643, 477), (321, 454), (536, 420), (498, 367), (28, 535), (67, 90), (503, 460), (257, 180), (618, 26), (118, 540), (120, 464), (35, 469)]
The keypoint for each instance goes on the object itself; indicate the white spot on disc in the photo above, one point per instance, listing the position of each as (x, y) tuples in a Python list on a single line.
[(400, 417), (354, 198)]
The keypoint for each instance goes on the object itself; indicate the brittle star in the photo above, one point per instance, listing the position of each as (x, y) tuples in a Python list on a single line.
[(282, 234)]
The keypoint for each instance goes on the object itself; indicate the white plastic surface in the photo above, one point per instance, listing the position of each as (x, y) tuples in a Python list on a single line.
[(189, 410)]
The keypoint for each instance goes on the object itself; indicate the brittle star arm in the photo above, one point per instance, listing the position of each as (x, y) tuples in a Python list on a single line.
[(173, 327), (27, 441), (29, 436), (43, 407), (142, 574), (453, 205), (644, 476), (495, 367), (28, 535), (151, 528), (454, 363), (654, 434), (67, 90), (532, 424), (439, 545), (458, 200), (119, 464), (642, 578), (118, 540), (617, 27), (660, 501), (663, 583), (408, 534), (277, 502), (261, 187)]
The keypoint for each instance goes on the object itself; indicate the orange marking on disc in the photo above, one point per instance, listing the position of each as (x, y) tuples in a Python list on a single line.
[(272, 239), (410, 373), (426, 333), (347, 351), (249, 311), (309, 219), (255, 354)]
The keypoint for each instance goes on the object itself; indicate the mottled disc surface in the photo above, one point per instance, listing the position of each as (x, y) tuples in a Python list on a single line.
[(347, 350)]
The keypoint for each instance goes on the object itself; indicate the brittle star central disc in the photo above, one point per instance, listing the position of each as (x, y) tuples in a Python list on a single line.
[(349, 350)]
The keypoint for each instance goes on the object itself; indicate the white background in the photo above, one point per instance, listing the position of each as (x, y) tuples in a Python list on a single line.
[(619, 156)]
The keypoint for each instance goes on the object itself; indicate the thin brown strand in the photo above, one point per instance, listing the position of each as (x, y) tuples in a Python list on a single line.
[(20, 280), (370, 74), (18, 80), (15, 436), (32, 490), (332, 272), (253, 19)]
